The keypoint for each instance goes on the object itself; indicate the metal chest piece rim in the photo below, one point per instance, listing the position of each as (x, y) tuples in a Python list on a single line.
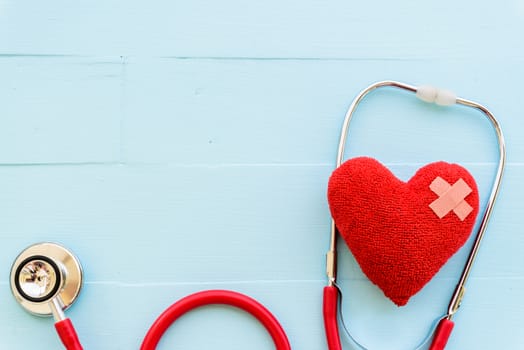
[(45, 274)]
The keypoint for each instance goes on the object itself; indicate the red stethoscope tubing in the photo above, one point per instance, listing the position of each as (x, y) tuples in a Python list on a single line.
[(69, 337), (214, 297), (330, 309), (67, 334)]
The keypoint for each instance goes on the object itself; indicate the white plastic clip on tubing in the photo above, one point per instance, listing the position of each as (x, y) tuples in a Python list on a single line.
[(431, 94)]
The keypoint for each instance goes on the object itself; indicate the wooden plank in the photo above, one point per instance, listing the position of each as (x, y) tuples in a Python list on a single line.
[(64, 109), (216, 112), (232, 28), (60, 109)]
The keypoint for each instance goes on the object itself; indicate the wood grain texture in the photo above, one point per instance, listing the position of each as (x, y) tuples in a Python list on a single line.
[(234, 28), (60, 110), (180, 146)]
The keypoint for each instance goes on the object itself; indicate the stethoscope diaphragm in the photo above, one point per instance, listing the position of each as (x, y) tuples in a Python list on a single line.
[(45, 272)]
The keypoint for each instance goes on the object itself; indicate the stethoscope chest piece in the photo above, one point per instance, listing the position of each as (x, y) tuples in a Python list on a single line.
[(46, 276)]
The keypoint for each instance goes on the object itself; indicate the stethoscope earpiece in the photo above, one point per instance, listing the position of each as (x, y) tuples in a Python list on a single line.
[(46, 279)]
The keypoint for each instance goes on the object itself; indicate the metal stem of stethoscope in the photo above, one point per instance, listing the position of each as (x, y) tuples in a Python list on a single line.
[(331, 259)]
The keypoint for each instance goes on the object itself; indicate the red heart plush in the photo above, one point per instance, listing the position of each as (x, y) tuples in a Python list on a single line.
[(401, 233)]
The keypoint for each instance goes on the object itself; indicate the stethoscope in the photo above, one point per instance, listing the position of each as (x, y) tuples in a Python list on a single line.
[(332, 293), (46, 278)]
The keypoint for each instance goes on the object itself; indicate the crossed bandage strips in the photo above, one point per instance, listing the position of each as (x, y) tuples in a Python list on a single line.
[(451, 198)]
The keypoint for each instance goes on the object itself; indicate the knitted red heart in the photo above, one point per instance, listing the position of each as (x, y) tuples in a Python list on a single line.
[(401, 233)]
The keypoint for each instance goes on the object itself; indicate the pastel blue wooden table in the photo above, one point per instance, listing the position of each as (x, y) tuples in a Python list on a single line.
[(180, 146)]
